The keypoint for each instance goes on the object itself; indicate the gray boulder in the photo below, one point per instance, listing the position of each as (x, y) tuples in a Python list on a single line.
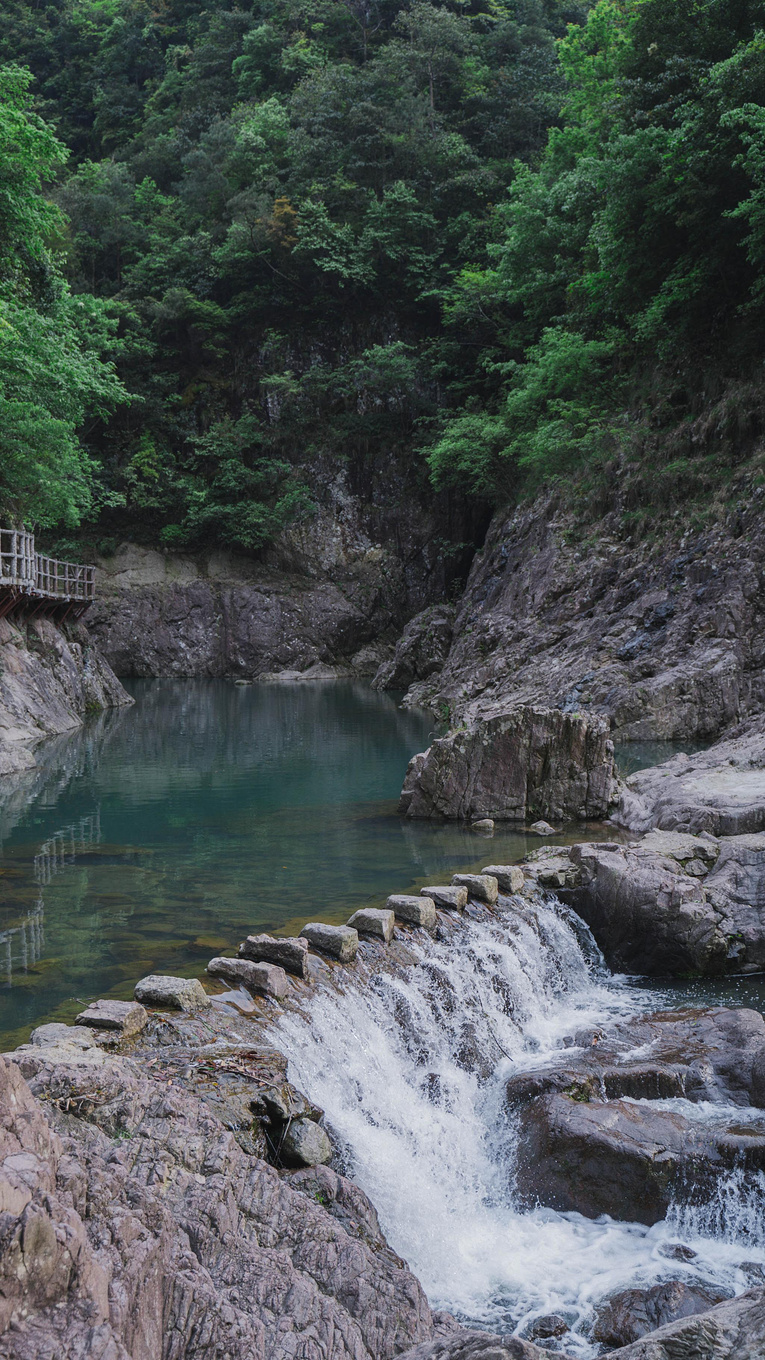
[(633, 1313), (528, 762), (458, 1344), (420, 651), (124, 1017), (268, 979), (285, 952), (482, 886), (172, 993), (305, 1144), (672, 903), (721, 790), (376, 921), (416, 911), (614, 1157), (340, 942), (510, 878), (451, 898), (734, 1330)]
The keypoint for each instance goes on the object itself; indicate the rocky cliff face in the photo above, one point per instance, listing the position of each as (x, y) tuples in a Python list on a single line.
[(51, 676), (332, 592), (666, 639)]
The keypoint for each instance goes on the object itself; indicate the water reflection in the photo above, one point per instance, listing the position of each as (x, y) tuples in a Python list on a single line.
[(206, 811)]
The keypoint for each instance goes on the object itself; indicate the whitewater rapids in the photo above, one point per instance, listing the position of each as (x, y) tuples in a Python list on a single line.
[(410, 1065)]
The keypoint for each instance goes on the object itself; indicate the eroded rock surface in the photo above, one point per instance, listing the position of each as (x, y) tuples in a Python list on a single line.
[(137, 1227), (720, 791), (593, 1139), (51, 676), (664, 638), (514, 767), (669, 904)]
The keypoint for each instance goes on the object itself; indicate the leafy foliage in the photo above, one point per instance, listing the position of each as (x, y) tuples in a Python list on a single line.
[(502, 240)]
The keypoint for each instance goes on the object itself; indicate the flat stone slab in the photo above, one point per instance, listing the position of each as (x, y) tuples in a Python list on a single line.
[(510, 878), (452, 898), (340, 942), (417, 911), (482, 886), (288, 952), (267, 979), (171, 993), (126, 1017), (75, 1036), (377, 921)]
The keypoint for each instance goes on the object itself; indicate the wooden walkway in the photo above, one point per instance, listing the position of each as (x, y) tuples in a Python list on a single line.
[(35, 584)]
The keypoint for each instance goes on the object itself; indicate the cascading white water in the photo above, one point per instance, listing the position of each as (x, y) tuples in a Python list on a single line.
[(410, 1067)]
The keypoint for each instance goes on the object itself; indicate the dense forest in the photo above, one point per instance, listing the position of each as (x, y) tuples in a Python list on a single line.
[(503, 242)]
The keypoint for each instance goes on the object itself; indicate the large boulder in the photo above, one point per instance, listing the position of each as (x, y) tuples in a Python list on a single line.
[(670, 904), (734, 1330), (633, 1313), (527, 763), (622, 1158), (721, 790)]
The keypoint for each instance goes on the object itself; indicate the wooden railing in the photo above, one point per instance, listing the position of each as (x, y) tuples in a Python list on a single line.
[(28, 576)]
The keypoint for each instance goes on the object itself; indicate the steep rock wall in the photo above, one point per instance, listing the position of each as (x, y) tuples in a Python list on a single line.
[(333, 591), (665, 638), (51, 677)]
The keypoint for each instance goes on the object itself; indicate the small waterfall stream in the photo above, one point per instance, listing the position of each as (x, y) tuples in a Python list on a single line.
[(409, 1065)]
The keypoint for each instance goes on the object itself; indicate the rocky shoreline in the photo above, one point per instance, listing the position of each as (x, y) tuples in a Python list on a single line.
[(167, 1191)]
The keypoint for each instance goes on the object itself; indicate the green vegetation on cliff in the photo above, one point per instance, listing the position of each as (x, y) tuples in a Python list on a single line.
[(490, 241)]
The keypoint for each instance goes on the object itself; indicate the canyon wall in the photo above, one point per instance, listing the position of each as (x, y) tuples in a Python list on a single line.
[(51, 678)]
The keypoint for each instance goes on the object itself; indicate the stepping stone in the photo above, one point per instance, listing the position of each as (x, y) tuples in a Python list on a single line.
[(341, 942), (289, 953), (374, 921), (417, 911), (266, 978), (171, 993), (450, 899), (482, 886), (509, 876), (127, 1017), (484, 825), (542, 829)]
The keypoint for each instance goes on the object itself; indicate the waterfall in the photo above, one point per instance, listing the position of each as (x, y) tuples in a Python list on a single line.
[(409, 1064)]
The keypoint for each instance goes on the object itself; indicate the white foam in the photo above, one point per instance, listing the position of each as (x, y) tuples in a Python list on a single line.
[(410, 1071)]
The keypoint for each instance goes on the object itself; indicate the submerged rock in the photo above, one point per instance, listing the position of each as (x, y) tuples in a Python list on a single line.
[(340, 942), (376, 921), (524, 762), (289, 953), (175, 993)]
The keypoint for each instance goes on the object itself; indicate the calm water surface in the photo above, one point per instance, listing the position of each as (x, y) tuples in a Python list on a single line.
[(162, 833)]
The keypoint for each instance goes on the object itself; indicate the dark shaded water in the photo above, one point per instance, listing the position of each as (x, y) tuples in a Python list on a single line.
[(161, 834)]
